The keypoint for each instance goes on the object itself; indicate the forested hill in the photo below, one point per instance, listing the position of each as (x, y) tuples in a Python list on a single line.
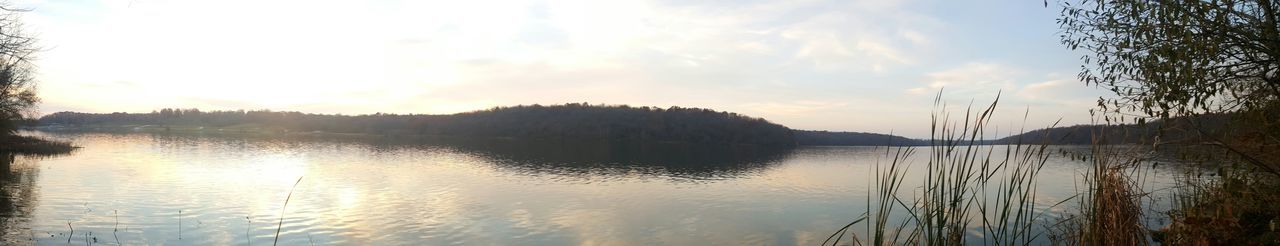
[(569, 122), (1174, 130), (826, 138), (1083, 135)]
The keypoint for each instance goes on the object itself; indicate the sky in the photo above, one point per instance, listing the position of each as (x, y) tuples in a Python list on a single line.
[(850, 65)]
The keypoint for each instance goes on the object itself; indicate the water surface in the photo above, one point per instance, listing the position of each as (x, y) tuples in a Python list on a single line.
[(190, 189)]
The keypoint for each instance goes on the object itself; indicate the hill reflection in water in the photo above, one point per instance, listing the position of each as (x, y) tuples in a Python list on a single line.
[(623, 158), (219, 189), (560, 157)]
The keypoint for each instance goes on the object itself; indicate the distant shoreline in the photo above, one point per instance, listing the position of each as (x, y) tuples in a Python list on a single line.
[(554, 122), (284, 133), (257, 132)]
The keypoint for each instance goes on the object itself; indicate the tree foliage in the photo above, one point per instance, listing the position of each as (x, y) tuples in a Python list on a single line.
[(17, 88), (1170, 130), (1199, 62), (1170, 58), (826, 138)]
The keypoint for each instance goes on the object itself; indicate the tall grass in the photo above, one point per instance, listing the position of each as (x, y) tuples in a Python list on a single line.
[(1227, 206), (1227, 202), (1109, 208), (33, 145), (968, 187), (889, 180), (280, 225)]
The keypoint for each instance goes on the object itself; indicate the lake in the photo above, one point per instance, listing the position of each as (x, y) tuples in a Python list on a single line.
[(142, 188)]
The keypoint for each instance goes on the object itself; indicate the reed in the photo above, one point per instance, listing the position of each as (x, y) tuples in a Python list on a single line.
[(968, 186), (1228, 205), (116, 228), (33, 145), (282, 209), (1109, 210)]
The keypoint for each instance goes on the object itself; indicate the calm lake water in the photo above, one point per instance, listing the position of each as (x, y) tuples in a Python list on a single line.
[(140, 188)]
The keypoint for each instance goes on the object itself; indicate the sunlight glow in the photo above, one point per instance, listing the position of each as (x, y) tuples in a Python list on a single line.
[(440, 57)]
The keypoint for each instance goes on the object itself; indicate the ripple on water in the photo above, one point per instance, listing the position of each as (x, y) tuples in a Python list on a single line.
[(378, 193)]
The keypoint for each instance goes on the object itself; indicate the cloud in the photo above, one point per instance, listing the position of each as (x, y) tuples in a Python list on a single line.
[(975, 78), (840, 60), (445, 57), (914, 37), (855, 39), (1041, 90), (1061, 91)]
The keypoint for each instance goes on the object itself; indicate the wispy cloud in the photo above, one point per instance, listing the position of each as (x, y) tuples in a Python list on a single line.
[(839, 60), (977, 78)]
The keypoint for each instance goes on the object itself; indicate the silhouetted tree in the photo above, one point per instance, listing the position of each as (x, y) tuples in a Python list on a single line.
[(17, 89), (826, 138), (1167, 59), (560, 122)]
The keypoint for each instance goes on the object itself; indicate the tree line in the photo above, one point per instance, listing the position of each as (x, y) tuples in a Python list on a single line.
[(1185, 130), (828, 138), (574, 121)]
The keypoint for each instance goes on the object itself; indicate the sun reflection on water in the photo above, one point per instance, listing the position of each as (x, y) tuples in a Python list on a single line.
[(231, 191)]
